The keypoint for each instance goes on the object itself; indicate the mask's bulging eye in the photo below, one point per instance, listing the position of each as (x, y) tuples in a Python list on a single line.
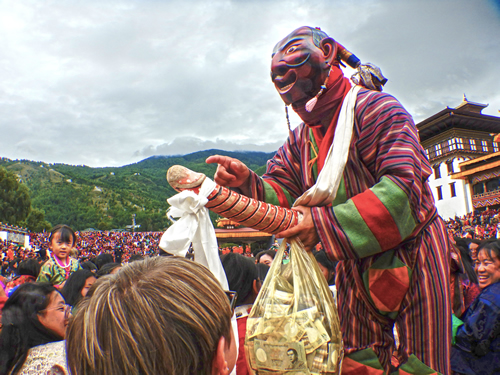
[(291, 49)]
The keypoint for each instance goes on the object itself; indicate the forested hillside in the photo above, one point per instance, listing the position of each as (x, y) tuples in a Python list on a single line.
[(105, 198)]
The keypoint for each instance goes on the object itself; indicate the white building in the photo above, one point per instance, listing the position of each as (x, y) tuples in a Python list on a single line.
[(450, 137)]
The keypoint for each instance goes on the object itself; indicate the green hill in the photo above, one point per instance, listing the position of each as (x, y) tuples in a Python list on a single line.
[(105, 198)]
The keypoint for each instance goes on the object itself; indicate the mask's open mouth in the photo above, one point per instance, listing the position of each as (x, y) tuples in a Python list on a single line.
[(283, 85)]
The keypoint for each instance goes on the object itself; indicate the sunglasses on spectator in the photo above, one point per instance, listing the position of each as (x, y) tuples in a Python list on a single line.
[(232, 296)]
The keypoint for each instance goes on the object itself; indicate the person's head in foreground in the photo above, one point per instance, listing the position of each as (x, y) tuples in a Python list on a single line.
[(487, 265), (163, 315), (35, 314)]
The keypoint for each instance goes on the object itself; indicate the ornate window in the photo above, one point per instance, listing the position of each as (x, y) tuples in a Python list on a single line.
[(472, 144), (438, 149), (440, 193), (484, 145), (478, 188), (452, 144)]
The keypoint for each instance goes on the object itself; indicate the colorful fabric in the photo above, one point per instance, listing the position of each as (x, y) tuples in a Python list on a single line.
[(52, 273), (46, 359), (477, 342), (384, 203), (12, 285)]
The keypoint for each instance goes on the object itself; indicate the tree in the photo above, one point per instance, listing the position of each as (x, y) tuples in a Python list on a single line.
[(15, 204), (36, 222), (15, 201)]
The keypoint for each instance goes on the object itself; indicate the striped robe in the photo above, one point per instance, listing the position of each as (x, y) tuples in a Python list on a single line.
[(384, 229)]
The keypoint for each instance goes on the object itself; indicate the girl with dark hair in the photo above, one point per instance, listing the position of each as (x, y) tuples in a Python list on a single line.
[(77, 286), (477, 343), (34, 322), (60, 265), (108, 269)]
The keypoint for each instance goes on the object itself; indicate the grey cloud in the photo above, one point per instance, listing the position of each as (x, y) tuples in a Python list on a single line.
[(187, 145), (108, 83)]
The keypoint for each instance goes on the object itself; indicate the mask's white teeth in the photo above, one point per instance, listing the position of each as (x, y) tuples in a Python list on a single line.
[(285, 89)]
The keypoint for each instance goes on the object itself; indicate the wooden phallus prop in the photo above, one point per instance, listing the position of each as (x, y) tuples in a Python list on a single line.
[(237, 207)]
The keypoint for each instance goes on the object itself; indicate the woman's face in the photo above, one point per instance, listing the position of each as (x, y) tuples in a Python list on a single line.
[(266, 259), (88, 283), (487, 268), (56, 315)]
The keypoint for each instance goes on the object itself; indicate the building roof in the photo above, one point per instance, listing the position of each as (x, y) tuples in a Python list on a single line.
[(467, 115), (477, 165)]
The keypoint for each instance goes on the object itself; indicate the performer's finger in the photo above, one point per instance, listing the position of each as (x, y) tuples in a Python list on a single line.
[(223, 175), (219, 159)]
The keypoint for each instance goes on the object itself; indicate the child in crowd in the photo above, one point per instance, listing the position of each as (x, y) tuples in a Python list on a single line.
[(60, 265)]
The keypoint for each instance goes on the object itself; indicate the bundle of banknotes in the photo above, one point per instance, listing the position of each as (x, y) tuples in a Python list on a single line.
[(290, 333)]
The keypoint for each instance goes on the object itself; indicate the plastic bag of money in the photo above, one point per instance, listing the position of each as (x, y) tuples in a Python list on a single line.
[(293, 326)]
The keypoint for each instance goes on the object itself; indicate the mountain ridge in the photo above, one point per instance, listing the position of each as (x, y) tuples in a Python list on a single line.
[(106, 197)]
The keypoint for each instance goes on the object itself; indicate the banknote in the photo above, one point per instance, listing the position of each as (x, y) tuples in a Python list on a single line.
[(319, 359), (292, 330), (250, 354), (315, 336), (335, 354), (282, 297), (306, 315), (273, 310), (287, 356)]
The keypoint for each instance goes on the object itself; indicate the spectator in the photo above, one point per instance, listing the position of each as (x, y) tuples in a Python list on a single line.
[(60, 265), (89, 266), (109, 269), (27, 271), (103, 259), (477, 347), (34, 322), (242, 276), (77, 286), (266, 257)]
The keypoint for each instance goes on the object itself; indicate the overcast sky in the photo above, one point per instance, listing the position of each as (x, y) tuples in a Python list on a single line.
[(109, 83)]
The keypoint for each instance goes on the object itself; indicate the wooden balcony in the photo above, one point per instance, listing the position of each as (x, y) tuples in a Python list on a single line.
[(490, 198)]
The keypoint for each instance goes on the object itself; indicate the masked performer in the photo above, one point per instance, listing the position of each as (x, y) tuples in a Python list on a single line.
[(379, 220)]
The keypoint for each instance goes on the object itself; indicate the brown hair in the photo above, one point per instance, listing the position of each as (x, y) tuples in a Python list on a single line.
[(156, 316)]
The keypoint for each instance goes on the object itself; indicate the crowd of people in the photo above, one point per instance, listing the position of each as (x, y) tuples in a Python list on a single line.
[(61, 286), (478, 224)]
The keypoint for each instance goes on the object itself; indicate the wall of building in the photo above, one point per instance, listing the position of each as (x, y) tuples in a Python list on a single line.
[(447, 205)]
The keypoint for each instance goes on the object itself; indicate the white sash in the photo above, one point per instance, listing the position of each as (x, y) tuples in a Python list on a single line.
[(325, 189)]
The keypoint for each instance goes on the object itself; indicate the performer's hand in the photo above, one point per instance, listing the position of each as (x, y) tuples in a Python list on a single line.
[(305, 230), (231, 172)]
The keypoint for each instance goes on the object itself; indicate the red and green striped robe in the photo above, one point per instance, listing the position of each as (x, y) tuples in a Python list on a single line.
[(382, 203)]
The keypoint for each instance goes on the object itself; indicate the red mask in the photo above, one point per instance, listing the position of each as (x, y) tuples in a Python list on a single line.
[(299, 67)]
